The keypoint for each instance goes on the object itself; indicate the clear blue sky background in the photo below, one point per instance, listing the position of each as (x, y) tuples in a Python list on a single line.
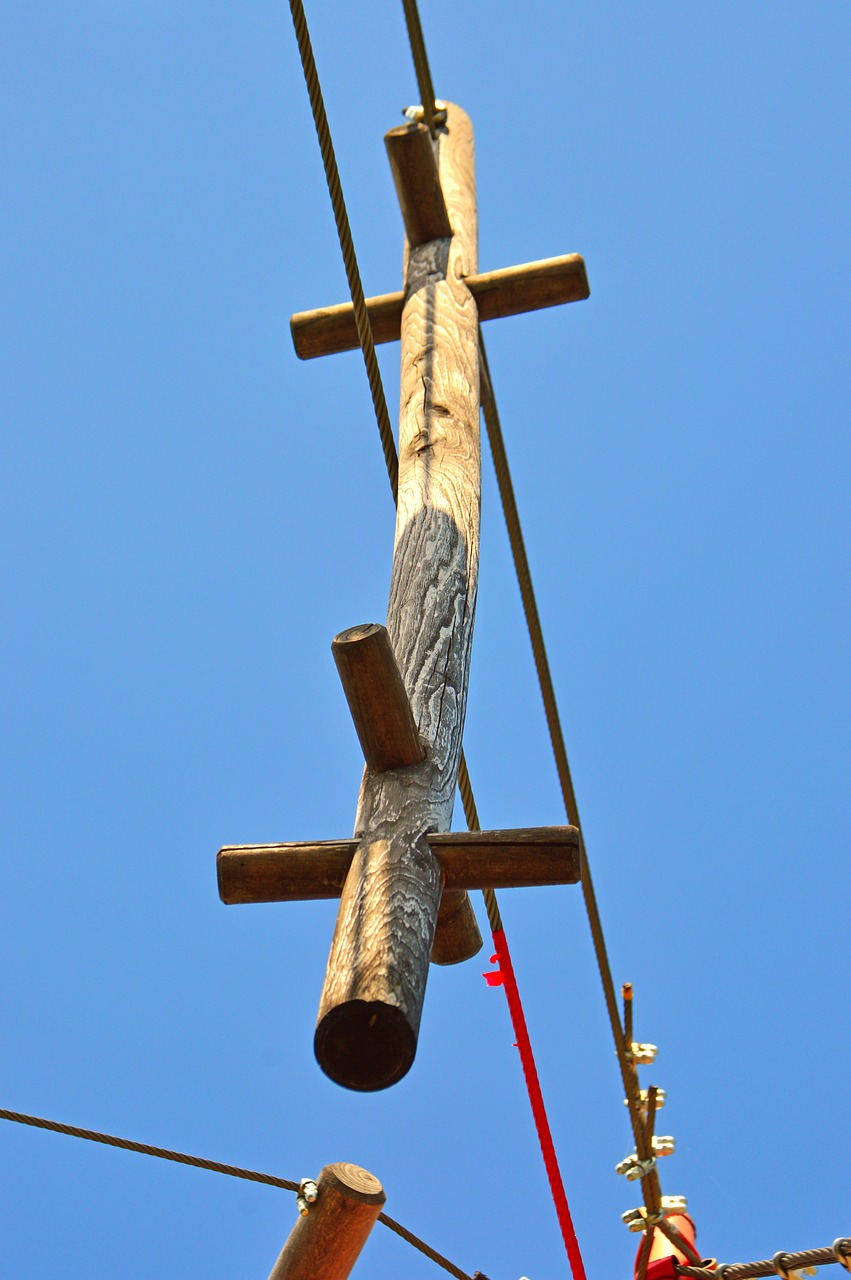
[(189, 514)]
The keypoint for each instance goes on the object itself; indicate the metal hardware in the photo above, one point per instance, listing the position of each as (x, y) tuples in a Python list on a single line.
[(632, 1168), (416, 115), (660, 1099), (635, 1219), (839, 1247), (673, 1205), (663, 1144), (307, 1195), (642, 1054)]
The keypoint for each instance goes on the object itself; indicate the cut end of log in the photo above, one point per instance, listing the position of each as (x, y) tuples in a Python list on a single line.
[(364, 1045), (353, 1183)]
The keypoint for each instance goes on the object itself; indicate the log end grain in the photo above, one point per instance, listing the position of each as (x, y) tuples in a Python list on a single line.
[(364, 1045)]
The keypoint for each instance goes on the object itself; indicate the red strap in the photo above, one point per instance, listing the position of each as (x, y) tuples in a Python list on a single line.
[(505, 977)]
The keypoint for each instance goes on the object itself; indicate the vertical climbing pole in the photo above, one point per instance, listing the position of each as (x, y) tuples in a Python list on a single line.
[(371, 1004)]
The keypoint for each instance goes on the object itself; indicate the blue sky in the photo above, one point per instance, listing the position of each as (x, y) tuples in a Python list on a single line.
[(189, 514)]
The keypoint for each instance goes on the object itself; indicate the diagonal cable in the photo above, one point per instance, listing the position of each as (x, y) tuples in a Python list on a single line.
[(344, 232), (421, 67), (215, 1166)]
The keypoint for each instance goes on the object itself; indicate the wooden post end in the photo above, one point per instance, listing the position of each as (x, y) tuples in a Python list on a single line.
[(413, 164), (377, 699), (328, 1240)]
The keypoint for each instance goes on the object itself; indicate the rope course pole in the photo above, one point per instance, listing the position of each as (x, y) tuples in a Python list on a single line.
[(215, 1166)]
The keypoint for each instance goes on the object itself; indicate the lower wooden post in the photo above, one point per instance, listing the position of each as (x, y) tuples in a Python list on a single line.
[(326, 1242)]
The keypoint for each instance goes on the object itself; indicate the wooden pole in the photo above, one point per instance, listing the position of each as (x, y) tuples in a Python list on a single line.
[(325, 1244), (371, 1005)]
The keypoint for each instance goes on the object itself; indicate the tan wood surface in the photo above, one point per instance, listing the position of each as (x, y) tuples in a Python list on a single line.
[(326, 1243), (376, 695), (413, 164), (508, 291), (468, 859), (371, 1005)]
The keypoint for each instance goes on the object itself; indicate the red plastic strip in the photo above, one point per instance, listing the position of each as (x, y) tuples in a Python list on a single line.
[(506, 977)]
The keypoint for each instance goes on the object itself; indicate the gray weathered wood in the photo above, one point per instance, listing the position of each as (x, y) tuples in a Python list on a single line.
[(507, 291), (372, 1001), (468, 859), (325, 1244), (376, 696)]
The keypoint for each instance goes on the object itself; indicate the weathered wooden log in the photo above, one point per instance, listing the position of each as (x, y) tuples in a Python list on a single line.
[(413, 164), (468, 859), (376, 695), (508, 291), (325, 1244), (371, 1005)]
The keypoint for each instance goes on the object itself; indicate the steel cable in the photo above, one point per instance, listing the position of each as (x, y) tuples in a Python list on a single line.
[(767, 1267), (545, 681), (216, 1166), (344, 232), (421, 67)]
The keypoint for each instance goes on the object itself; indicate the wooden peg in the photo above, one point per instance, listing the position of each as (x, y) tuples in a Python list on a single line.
[(413, 164), (300, 872), (325, 1244), (508, 291), (377, 699)]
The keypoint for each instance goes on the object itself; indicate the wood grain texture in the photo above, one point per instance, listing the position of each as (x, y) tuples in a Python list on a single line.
[(372, 1001), (468, 860), (326, 1243), (413, 164), (375, 692), (508, 291)]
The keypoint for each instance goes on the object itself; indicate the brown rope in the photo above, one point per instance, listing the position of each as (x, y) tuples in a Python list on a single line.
[(215, 1166), (788, 1261), (344, 232)]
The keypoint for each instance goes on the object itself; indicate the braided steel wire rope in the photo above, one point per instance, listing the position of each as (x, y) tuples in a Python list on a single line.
[(216, 1166), (545, 681), (344, 232), (421, 67), (145, 1149), (767, 1267)]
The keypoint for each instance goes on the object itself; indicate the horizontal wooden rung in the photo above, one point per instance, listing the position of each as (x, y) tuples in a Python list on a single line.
[(507, 292), (470, 860)]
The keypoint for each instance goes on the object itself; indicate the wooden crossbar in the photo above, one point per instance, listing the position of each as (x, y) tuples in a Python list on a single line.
[(509, 291), (509, 859)]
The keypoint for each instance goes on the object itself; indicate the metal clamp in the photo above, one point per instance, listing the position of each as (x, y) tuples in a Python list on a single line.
[(673, 1205), (841, 1248), (663, 1144), (642, 1054), (777, 1263), (660, 1099), (307, 1195), (416, 115), (632, 1168)]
